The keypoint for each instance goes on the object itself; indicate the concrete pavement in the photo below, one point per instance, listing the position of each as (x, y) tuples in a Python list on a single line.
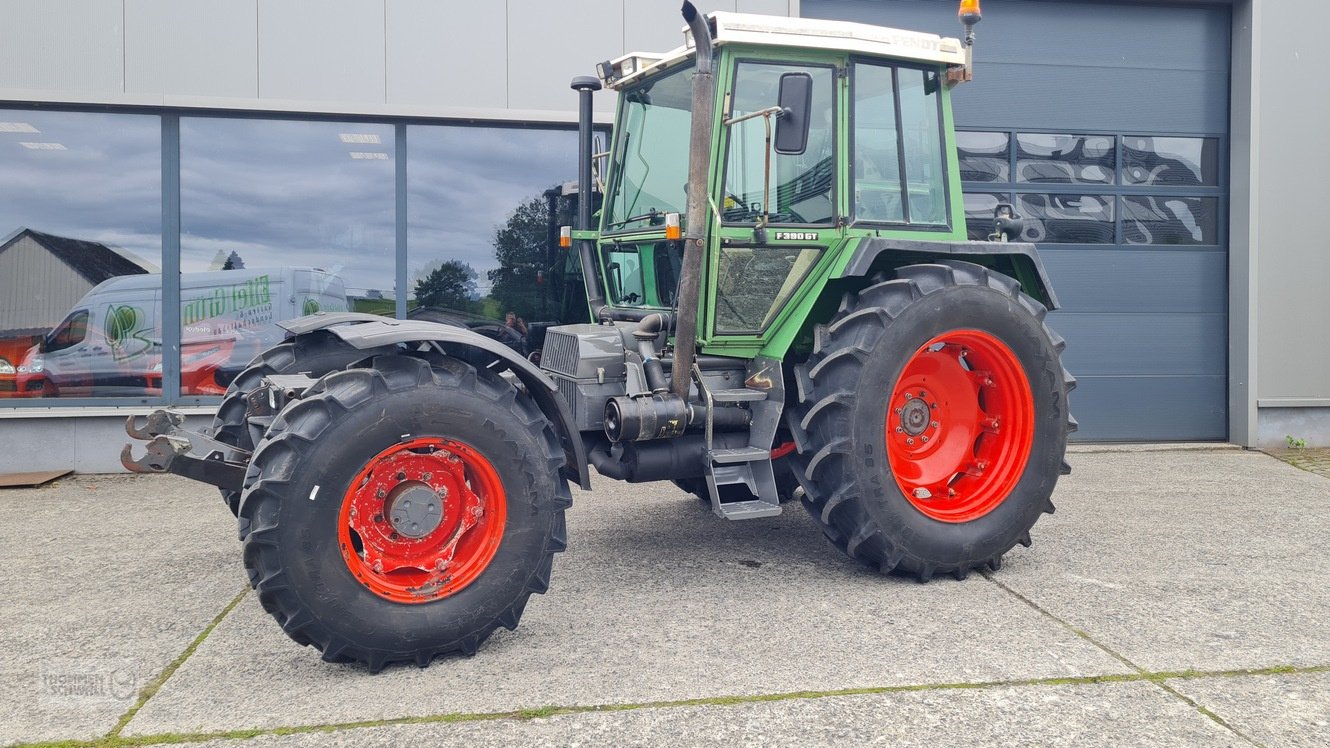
[(1175, 598)]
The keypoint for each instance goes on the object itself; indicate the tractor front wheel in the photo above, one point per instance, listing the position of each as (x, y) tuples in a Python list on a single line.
[(403, 511), (932, 420), (315, 354)]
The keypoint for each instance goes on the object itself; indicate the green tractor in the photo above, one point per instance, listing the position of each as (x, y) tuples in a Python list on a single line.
[(784, 306)]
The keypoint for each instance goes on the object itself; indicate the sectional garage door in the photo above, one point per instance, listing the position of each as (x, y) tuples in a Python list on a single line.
[(1106, 125)]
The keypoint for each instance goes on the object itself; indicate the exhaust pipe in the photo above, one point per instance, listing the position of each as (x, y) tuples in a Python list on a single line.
[(585, 86), (695, 240)]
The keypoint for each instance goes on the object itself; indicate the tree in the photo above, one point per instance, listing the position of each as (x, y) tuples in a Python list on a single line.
[(522, 247), (451, 285), (234, 262)]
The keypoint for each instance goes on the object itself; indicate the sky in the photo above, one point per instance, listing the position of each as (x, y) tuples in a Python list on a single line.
[(277, 192)]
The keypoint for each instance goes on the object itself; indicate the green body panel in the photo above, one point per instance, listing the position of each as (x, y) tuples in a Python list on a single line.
[(817, 296)]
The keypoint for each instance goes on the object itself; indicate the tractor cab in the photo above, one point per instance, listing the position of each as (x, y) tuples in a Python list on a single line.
[(822, 132)]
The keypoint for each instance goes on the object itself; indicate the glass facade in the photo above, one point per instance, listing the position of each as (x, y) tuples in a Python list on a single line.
[(277, 218), (81, 255), (1096, 189)]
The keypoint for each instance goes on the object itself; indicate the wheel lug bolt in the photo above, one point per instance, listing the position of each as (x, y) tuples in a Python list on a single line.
[(934, 424), (909, 396), (380, 493), (900, 430), (898, 411), (924, 437), (401, 475), (910, 440), (378, 518), (426, 476), (441, 565)]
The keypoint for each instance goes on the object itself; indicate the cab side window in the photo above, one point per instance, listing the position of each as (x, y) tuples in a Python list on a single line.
[(71, 332), (899, 171)]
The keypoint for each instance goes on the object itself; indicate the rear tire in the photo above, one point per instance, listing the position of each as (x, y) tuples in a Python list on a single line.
[(397, 428), (932, 420), (316, 353)]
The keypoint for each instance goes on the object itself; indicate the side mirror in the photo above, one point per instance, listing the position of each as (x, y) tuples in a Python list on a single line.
[(795, 100)]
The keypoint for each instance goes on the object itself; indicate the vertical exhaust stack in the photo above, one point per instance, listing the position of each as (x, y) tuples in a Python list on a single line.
[(699, 159), (585, 85)]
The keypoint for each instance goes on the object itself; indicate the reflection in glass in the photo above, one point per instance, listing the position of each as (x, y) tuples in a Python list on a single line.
[(484, 206), (1067, 219), (80, 226), (1170, 161), (753, 284), (984, 156), (798, 184), (1064, 159), (278, 219), (979, 212), (1170, 220)]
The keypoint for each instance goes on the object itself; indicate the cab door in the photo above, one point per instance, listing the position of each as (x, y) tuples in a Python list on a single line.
[(778, 210)]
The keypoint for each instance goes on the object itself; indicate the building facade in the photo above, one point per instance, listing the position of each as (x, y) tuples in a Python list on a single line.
[(257, 159)]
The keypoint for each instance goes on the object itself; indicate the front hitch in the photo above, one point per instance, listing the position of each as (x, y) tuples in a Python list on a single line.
[(171, 449)]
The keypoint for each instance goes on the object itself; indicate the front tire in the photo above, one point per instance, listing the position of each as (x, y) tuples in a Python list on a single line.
[(404, 511), (316, 353), (932, 420)]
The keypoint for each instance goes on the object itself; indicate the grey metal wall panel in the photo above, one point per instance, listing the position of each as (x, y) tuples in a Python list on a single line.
[(72, 45), (1145, 280), (658, 27), (192, 47), (1292, 254), (1142, 344), (766, 7), (1037, 97), (321, 49), (1152, 408), (549, 44), (447, 53)]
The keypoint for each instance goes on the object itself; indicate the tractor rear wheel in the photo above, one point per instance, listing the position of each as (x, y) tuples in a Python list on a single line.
[(403, 511), (932, 420), (315, 354)]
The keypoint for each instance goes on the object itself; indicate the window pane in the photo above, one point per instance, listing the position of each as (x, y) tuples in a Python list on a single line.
[(484, 207), (1064, 159), (1170, 220), (80, 253), (278, 219), (984, 156), (800, 184), (921, 128), (979, 211), (654, 120), (1067, 219), (877, 167), (1170, 161), (754, 283)]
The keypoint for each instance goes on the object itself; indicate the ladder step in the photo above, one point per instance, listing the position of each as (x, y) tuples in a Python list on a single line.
[(745, 394), (753, 509), (741, 454)]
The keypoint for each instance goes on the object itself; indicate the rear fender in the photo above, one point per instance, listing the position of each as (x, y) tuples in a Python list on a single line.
[(365, 331)]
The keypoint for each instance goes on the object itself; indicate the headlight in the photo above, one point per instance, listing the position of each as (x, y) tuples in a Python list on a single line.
[(34, 365), (6, 367)]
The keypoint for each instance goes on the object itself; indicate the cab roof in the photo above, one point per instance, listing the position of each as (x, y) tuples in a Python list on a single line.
[(781, 31)]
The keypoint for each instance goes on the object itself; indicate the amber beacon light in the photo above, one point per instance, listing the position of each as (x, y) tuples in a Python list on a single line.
[(969, 14)]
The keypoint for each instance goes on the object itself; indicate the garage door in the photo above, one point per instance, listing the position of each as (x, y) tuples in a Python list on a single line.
[(1105, 124)]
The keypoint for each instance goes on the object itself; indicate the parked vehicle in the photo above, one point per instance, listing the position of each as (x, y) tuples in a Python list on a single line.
[(779, 312), (110, 343)]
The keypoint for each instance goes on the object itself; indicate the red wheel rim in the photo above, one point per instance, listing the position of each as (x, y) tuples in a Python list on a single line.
[(422, 520), (959, 426)]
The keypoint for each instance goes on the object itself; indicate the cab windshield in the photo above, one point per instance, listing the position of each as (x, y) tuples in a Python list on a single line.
[(651, 155)]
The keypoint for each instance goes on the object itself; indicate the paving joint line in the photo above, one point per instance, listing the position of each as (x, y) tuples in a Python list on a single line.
[(120, 741), (150, 690), (1147, 675)]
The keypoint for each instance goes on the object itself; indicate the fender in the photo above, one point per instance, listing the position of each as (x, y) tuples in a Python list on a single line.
[(365, 331), (1019, 260)]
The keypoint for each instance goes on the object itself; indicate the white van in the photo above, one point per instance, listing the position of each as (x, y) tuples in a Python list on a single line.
[(110, 342)]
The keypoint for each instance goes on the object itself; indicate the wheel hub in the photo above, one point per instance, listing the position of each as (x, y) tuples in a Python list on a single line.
[(416, 509), (915, 415)]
